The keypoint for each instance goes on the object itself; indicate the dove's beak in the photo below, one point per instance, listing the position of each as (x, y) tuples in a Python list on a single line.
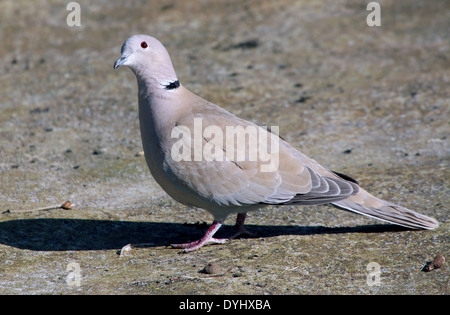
[(120, 61)]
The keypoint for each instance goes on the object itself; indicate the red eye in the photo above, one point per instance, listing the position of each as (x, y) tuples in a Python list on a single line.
[(144, 45)]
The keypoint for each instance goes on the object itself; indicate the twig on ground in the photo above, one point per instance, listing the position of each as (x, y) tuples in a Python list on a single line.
[(67, 205)]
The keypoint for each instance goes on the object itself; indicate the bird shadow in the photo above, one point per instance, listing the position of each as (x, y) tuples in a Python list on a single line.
[(83, 234)]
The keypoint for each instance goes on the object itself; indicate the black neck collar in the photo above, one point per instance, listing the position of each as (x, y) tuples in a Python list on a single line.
[(172, 85)]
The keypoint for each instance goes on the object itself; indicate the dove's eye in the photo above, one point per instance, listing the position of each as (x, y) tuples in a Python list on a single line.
[(144, 45)]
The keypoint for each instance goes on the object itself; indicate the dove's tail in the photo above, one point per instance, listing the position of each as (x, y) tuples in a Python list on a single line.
[(368, 205)]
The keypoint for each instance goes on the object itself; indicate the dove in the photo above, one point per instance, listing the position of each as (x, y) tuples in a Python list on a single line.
[(199, 162)]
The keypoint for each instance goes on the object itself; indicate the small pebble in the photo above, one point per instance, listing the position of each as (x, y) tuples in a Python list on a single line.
[(125, 250), (437, 263), (212, 268)]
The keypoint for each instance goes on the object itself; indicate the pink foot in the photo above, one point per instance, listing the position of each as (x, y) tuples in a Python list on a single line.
[(239, 227), (208, 237)]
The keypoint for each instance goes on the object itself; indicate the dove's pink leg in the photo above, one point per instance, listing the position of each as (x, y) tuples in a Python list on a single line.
[(208, 237), (239, 226)]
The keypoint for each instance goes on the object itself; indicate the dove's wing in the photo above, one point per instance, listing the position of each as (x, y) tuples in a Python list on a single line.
[(274, 173)]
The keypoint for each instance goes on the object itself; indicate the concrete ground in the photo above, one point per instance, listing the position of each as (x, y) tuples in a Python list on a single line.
[(370, 102)]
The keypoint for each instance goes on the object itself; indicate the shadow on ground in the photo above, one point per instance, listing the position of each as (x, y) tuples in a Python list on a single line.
[(81, 234)]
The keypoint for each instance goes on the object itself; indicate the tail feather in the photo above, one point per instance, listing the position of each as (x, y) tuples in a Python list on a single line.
[(368, 205)]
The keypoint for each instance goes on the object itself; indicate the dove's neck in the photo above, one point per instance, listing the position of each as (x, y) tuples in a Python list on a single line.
[(161, 104)]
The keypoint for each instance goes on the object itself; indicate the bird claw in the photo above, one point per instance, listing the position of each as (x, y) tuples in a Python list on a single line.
[(208, 237), (187, 247), (190, 246)]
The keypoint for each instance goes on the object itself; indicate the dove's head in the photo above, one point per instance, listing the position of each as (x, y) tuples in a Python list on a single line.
[(148, 59)]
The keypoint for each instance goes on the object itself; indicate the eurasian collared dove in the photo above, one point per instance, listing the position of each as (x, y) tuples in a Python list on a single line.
[(173, 121)]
